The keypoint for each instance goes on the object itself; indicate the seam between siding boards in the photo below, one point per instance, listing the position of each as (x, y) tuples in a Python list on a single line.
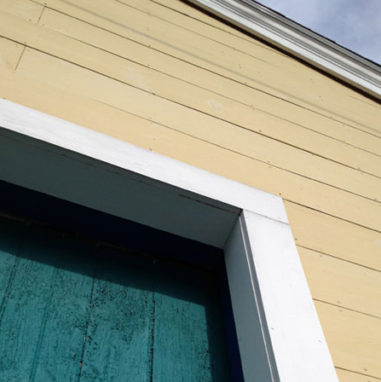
[(215, 144), (231, 79), (271, 87), (346, 308)]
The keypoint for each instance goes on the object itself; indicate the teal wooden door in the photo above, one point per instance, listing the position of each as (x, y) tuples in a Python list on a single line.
[(74, 310)]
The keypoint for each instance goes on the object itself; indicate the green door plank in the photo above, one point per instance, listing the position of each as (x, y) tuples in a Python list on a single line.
[(186, 328), (8, 262), (73, 311), (24, 312), (118, 336), (62, 338)]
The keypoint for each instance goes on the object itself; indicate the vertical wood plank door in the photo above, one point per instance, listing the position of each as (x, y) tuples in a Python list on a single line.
[(72, 310)]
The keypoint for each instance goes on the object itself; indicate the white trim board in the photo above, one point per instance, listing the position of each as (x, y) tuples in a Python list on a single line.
[(279, 334), (302, 42)]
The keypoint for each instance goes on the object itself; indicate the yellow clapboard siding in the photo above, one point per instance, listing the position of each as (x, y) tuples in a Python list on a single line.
[(342, 283), (218, 132), (348, 376), (256, 50), (290, 133), (267, 55), (353, 338), (250, 47), (311, 229), (191, 11), (10, 53), (87, 83), (335, 237), (25, 9), (201, 51)]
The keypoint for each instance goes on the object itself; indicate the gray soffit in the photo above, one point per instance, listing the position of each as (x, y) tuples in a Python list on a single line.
[(300, 41)]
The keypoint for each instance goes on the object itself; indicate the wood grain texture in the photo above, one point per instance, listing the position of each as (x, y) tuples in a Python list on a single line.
[(317, 90), (10, 53), (179, 333), (342, 283), (26, 9), (21, 337), (75, 311), (348, 376), (118, 337), (61, 340), (335, 237), (308, 125), (140, 74), (187, 9), (353, 339), (155, 59), (90, 84), (227, 134), (311, 229)]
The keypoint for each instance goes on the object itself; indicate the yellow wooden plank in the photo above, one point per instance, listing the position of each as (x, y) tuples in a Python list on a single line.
[(25, 9), (335, 237), (219, 132), (253, 48), (311, 228), (301, 85), (204, 52), (353, 338), (260, 50), (226, 88), (348, 376), (248, 46), (342, 283), (10, 53), (191, 11), (291, 186)]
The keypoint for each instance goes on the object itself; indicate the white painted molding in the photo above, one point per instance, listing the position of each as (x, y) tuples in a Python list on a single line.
[(300, 41), (298, 342), (279, 334), (102, 147)]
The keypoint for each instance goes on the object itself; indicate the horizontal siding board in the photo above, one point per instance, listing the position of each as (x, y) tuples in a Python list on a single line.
[(183, 44), (311, 229), (335, 237), (342, 283), (353, 338), (270, 57), (250, 48), (103, 22), (349, 376), (221, 85), (191, 11), (233, 101), (26, 9), (294, 187), (10, 53), (221, 132)]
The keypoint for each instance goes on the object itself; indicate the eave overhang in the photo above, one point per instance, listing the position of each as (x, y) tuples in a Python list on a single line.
[(305, 44)]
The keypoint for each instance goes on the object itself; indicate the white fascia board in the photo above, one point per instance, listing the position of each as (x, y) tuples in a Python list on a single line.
[(90, 143), (300, 41)]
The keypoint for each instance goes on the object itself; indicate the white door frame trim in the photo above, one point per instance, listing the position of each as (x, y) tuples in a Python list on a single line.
[(279, 334)]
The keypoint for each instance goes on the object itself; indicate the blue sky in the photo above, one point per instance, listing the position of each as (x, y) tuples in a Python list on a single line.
[(355, 24)]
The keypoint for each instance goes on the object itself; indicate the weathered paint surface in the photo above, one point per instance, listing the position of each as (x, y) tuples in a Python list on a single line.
[(168, 77), (74, 311)]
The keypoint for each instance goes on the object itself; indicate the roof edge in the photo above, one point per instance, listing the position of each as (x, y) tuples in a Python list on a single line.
[(300, 41)]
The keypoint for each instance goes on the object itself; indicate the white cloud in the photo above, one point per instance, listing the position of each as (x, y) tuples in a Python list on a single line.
[(355, 24)]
